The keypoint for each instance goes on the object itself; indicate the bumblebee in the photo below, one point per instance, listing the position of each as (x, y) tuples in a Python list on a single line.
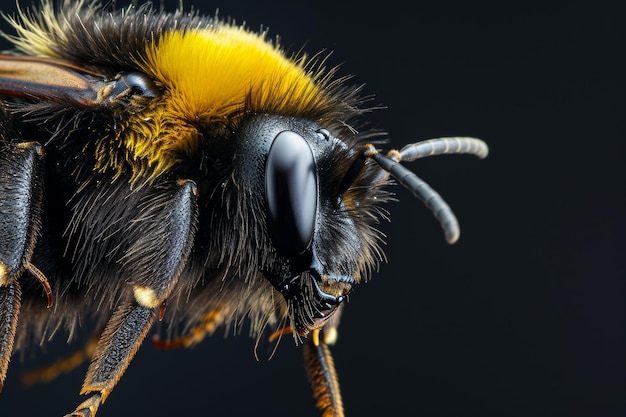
[(179, 168)]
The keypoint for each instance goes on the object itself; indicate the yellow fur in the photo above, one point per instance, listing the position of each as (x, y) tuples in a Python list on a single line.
[(208, 74), (33, 30)]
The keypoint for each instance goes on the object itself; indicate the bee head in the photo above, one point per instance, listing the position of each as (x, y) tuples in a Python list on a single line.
[(320, 236)]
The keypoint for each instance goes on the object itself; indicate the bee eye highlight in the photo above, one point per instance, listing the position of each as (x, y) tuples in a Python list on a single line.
[(291, 193)]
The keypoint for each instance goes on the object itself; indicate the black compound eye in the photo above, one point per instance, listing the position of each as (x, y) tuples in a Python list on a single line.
[(291, 193)]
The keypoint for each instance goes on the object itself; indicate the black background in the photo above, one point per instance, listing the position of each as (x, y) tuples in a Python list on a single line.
[(525, 315)]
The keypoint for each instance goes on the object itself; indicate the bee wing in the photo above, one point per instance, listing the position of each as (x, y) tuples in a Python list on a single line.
[(52, 79)]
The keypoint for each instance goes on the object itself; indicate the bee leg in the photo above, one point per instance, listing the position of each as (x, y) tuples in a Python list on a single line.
[(9, 311), (63, 365), (209, 323), (21, 168), (169, 221), (323, 377), (118, 344), (280, 333)]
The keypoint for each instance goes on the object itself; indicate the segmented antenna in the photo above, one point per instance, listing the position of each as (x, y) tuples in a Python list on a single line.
[(418, 187)]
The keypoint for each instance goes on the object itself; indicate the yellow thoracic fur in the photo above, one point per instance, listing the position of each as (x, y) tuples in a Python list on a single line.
[(207, 74)]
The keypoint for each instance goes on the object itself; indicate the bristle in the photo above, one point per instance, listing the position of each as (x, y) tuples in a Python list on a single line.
[(209, 73)]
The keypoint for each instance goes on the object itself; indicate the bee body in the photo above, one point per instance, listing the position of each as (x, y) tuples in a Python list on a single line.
[(180, 168)]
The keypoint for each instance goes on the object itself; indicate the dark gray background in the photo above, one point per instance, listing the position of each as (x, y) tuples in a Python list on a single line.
[(525, 315)]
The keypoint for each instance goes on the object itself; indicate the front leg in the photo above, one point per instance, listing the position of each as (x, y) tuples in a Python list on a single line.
[(153, 263), (322, 375)]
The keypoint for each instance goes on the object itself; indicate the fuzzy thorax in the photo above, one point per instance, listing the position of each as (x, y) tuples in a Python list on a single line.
[(210, 76), (209, 73)]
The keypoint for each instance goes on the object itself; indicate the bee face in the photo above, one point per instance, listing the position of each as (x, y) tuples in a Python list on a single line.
[(318, 243), (177, 167)]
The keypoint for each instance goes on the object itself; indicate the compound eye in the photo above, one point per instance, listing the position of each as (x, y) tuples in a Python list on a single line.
[(291, 193)]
